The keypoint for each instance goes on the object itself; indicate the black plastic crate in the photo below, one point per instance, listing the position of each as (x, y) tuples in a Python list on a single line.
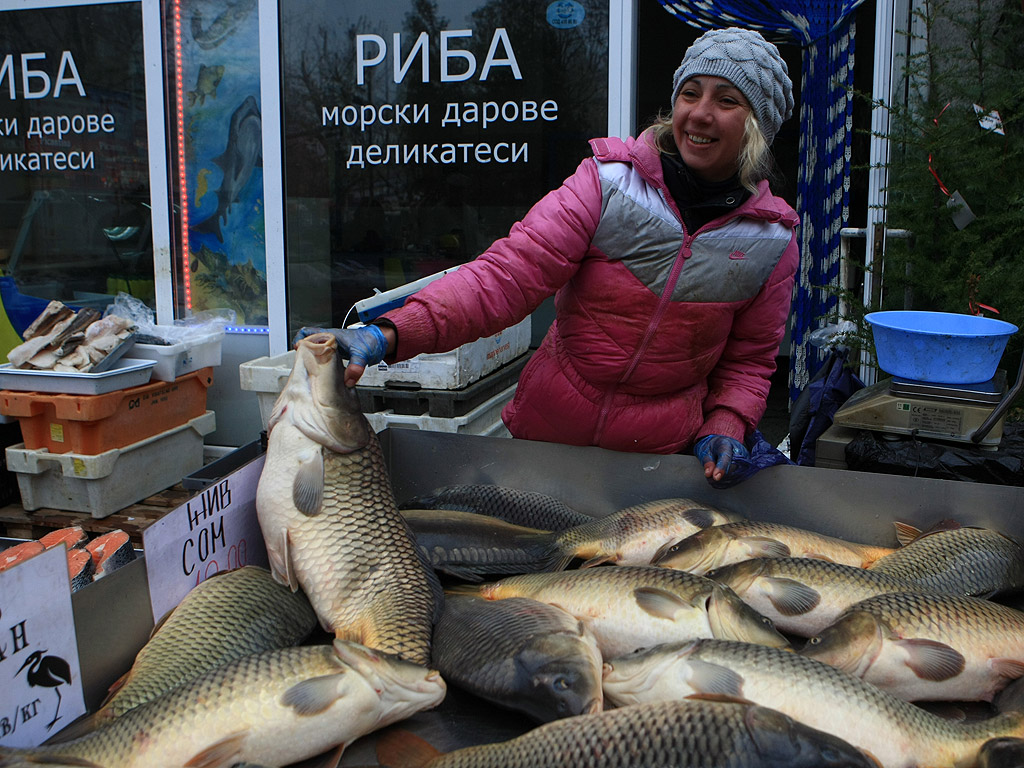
[(441, 403)]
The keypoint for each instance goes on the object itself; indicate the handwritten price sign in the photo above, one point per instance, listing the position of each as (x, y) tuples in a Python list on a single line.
[(216, 530)]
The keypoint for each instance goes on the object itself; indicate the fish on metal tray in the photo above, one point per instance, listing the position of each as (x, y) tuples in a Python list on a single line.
[(803, 595), (896, 733), (469, 545), (927, 647), (81, 568), (730, 543), (232, 614), (243, 154), (521, 654), (272, 708), (328, 514), (960, 560), (694, 733), (635, 534), (629, 607), (531, 509)]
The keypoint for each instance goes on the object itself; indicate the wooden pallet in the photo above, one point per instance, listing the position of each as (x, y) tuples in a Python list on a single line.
[(16, 523)]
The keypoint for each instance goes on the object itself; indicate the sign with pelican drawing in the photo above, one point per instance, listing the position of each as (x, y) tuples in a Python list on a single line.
[(40, 679)]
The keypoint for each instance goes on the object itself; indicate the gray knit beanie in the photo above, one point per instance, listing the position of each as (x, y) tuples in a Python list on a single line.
[(749, 62)]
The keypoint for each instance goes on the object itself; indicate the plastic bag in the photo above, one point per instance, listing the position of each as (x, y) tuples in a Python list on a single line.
[(196, 326), (762, 454)]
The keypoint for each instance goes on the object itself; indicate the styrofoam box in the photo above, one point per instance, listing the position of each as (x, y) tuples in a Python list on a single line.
[(266, 377), (485, 419), (186, 356), (458, 368), (107, 482)]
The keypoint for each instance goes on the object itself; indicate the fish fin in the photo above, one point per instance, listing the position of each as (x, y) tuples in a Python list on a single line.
[(714, 679), (399, 748), (599, 560), (930, 660), (556, 562), (462, 589), (312, 696), (308, 489), (791, 598), (1009, 668), (817, 556), (658, 602), (223, 752), (281, 563), (906, 533), (766, 547), (459, 572), (699, 517), (725, 697)]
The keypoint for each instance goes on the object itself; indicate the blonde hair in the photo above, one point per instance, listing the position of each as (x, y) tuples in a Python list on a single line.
[(755, 158)]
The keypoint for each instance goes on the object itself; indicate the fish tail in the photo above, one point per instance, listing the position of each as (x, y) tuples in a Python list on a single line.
[(398, 748)]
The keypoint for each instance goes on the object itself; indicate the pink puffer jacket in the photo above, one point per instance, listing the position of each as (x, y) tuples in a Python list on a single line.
[(661, 335)]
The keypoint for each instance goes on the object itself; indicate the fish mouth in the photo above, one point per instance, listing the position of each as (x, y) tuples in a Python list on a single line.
[(323, 346), (594, 706)]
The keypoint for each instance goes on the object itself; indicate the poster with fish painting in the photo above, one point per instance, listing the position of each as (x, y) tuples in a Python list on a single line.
[(40, 678), (220, 154)]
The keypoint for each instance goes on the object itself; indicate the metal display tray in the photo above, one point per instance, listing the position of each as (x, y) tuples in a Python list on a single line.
[(127, 372), (859, 506)]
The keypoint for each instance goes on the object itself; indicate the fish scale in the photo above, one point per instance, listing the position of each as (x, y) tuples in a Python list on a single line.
[(631, 606), (376, 589), (896, 733), (232, 614), (927, 647), (519, 653), (962, 561), (329, 516), (273, 708), (687, 734)]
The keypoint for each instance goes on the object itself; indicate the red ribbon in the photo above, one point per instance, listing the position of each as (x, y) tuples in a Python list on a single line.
[(930, 168)]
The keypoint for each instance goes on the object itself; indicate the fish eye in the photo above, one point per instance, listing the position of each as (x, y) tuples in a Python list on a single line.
[(561, 684), (768, 622), (814, 641)]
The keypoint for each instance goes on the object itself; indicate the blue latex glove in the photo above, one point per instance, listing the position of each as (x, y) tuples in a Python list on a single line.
[(360, 346), (726, 454), (741, 465)]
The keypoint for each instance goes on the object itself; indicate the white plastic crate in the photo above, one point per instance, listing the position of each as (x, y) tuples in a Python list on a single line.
[(104, 483), (266, 376), (458, 368), (485, 419), (186, 356)]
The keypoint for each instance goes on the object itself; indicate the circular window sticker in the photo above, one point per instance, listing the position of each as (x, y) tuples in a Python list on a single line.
[(565, 14)]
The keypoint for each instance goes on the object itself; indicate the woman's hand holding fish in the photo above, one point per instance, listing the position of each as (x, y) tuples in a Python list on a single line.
[(360, 346)]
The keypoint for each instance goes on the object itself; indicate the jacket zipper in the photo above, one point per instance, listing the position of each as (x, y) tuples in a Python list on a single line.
[(652, 326)]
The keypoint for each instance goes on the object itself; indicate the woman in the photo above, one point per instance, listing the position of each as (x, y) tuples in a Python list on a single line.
[(672, 266)]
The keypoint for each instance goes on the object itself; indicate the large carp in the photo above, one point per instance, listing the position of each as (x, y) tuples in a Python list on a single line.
[(329, 516), (678, 734), (233, 614), (272, 708)]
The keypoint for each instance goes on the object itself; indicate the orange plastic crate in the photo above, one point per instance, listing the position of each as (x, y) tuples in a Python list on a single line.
[(92, 424)]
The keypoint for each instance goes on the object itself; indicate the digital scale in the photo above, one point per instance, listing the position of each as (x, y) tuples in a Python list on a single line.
[(964, 413)]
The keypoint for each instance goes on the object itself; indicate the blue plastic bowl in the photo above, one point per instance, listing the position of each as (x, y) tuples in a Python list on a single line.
[(939, 347)]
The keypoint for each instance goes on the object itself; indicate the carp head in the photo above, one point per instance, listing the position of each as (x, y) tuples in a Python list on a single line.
[(317, 402)]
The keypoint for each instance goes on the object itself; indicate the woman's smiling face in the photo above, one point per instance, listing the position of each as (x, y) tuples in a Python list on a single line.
[(708, 123)]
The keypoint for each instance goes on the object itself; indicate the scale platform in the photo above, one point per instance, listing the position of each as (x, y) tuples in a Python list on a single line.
[(923, 409)]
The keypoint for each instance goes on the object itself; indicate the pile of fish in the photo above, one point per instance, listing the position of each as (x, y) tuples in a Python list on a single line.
[(65, 340), (667, 633), (88, 558)]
